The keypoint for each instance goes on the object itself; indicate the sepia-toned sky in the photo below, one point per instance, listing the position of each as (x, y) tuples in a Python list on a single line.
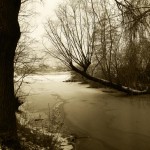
[(44, 11), (41, 13)]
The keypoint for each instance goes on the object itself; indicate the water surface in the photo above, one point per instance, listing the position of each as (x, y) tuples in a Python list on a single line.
[(103, 119)]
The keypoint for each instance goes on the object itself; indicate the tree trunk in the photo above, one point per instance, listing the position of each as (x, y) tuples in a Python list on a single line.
[(109, 83), (9, 36)]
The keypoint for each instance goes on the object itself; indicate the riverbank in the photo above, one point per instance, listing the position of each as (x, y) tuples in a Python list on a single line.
[(90, 84), (38, 130), (97, 82)]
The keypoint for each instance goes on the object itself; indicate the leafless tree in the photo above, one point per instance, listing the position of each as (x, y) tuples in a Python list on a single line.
[(74, 35), (9, 36), (25, 56), (86, 37)]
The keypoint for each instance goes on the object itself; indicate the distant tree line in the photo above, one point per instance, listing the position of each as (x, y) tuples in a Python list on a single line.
[(105, 41)]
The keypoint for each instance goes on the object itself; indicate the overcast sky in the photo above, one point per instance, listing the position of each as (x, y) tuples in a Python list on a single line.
[(44, 11)]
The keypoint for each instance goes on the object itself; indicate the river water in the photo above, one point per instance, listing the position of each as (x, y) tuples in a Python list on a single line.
[(102, 119)]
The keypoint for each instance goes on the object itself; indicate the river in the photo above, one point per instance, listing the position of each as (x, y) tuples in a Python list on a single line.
[(102, 119)]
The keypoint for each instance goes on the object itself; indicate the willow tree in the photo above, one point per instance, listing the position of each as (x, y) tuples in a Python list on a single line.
[(9, 36), (86, 29), (73, 37)]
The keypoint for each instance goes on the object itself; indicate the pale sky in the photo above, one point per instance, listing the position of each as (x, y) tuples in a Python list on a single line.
[(45, 11)]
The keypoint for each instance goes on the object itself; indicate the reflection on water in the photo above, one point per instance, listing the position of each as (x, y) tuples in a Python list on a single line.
[(110, 120)]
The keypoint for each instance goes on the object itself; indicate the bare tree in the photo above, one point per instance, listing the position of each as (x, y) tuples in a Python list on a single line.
[(73, 36), (87, 37), (106, 41), (25, 56), (9, 36)]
